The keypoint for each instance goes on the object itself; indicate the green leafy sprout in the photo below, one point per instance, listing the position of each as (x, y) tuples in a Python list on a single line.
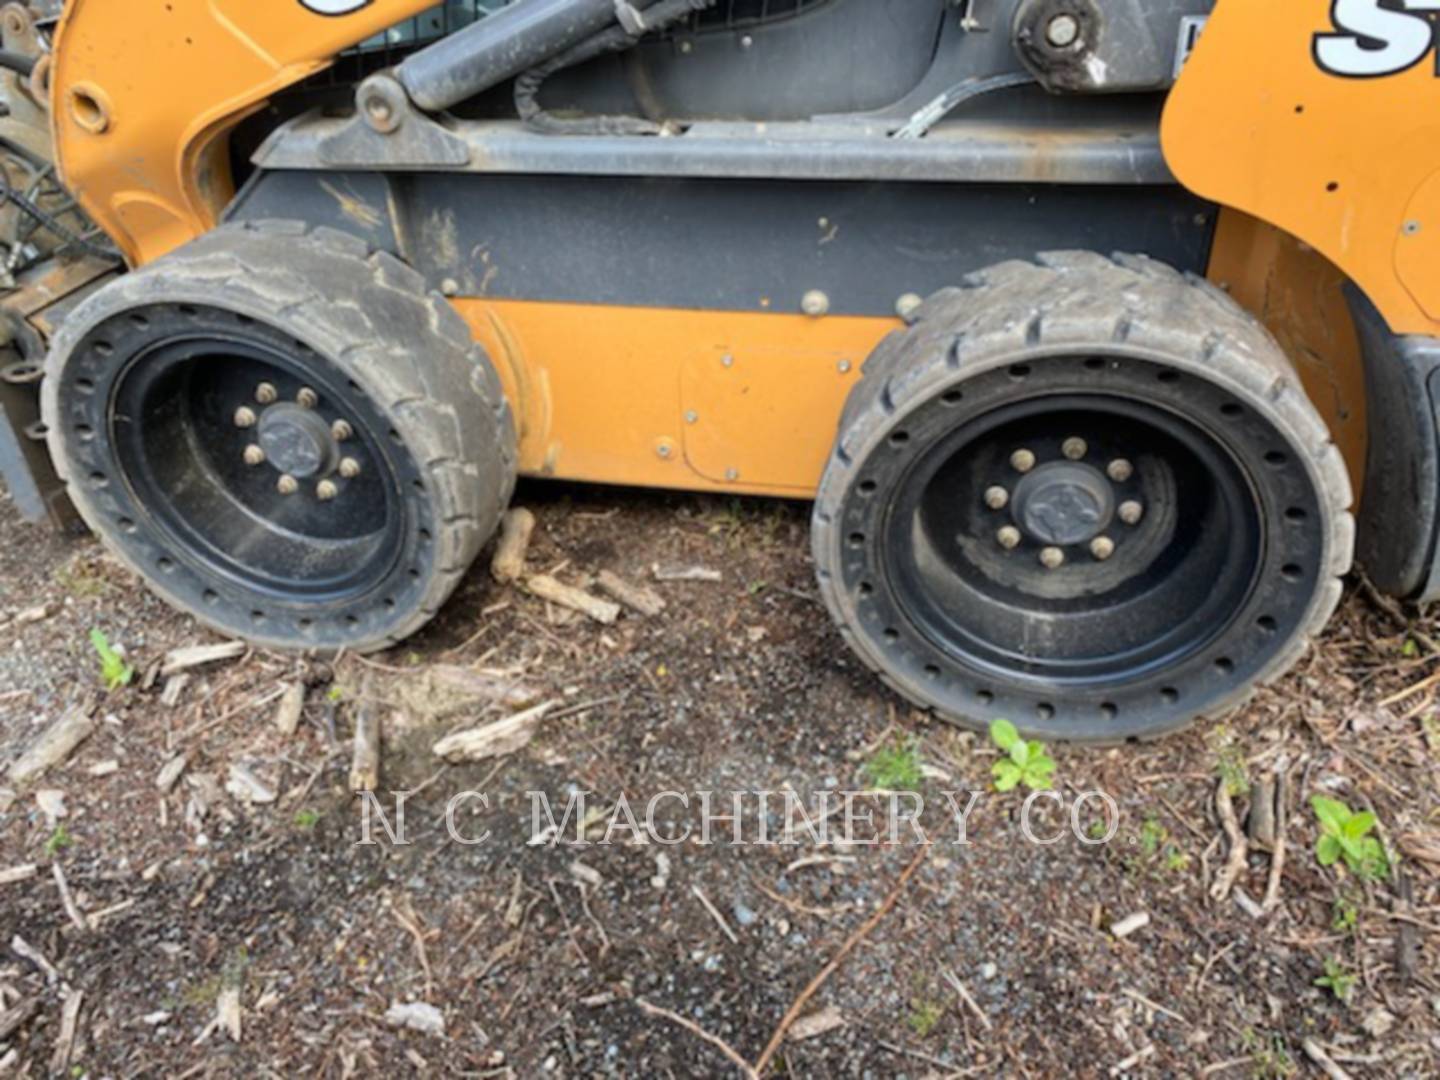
[(58, 841), (896, 767), (924, 1016), (114, 671), (1345, 834), (1025, 762), (1345, 916), (307, 818), (1337, 980)]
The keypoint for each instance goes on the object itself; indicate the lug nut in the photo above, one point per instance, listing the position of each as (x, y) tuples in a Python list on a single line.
[(1022, 461), (341, 430), (1052, 558), (307, 398), (1131, 512), (1120, 470), (1062, 31), (254, 455), (326, 490), (266, 393), (1008, 537), (1102, 547), (1074, 448), (349, 468), (244, 417), (287, 485), (996, 497)]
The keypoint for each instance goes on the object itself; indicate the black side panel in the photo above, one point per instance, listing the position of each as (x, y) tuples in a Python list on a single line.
[(1400, 508), (727, 245)]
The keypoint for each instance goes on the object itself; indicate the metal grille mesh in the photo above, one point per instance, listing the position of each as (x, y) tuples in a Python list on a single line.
[(391, 46)]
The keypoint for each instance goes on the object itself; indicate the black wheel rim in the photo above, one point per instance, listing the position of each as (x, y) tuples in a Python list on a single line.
[(185, 461), (1195, 601), (1105, 621), (148, 404)]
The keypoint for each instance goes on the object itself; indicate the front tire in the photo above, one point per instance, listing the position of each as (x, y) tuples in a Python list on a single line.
[(283, 434), (1087, 495)]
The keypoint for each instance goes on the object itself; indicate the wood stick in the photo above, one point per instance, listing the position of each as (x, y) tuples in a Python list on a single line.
[(829, 969), (365, 764), (65, 1041), (1316, 1053), (695, 1029), (1277, 848), (291, 708), (492, 739), (52, 746), (637, 597), (23, 872), (969, 1002), (13, 1018), (68, 901), (547, 588), (178, 660), (516, 528), (714, 913), (1239, 850)]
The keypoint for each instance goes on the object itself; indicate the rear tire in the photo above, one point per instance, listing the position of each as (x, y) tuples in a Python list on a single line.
[(283, 434), (986, 586)]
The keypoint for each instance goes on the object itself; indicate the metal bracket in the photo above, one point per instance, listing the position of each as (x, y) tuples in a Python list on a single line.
[(388, 132)]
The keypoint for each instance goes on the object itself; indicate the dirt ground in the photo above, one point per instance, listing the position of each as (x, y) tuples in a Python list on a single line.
[(195, 905)]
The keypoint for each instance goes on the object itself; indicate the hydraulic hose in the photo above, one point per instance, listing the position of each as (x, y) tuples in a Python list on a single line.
[(660, 16), (502, 45)]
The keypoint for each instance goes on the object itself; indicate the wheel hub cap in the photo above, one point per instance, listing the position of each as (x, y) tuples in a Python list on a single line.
[(1064, 502), (297, 441)]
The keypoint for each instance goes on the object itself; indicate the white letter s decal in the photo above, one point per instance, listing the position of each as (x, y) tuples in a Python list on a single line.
[(1403, 40), (334, 7)]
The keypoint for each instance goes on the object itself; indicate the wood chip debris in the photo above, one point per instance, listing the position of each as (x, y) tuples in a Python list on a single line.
[(16, 1016), (567, 596), (51, 802), (417, 1016), (686, 573), (586, 875), (816, 1024), (365, 761), (291, 708), (227, 1011), (20, 947), (495, 739), (104, 768), (69, 1026), (516, 528), (193, 656), (34, 614), (1123, 928), (170, 772), (246, 786), (486, 686), (52, 747), (12, 874), (174, 687), (636, 597)]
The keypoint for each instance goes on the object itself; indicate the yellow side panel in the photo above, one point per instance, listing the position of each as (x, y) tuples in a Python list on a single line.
[(1297, 293), (143, 91), (1344, 163), (677, 399)]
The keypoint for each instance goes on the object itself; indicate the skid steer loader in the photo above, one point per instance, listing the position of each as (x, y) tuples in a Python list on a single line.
[(1079, 320)]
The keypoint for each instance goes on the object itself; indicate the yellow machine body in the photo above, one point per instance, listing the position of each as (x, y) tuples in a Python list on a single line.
[(1319, 178)]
